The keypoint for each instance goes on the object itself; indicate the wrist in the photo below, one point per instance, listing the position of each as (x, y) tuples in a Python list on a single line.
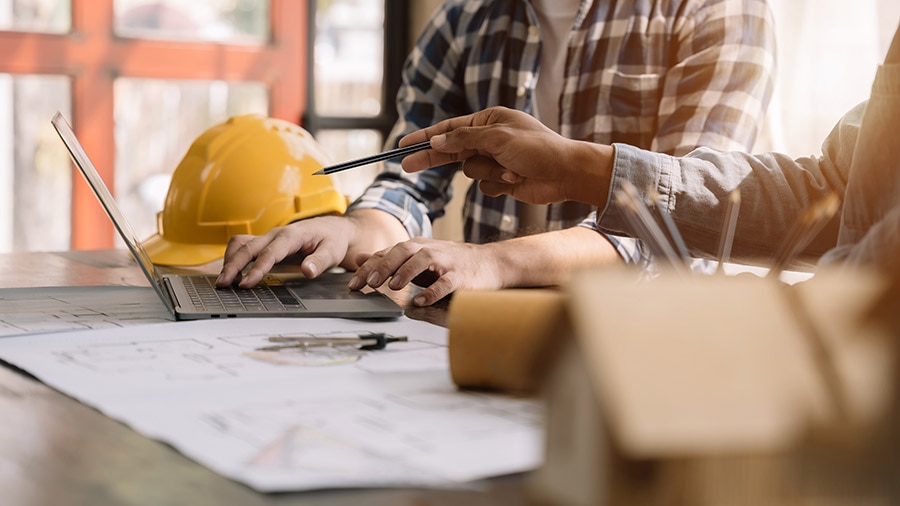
[(591, 171), (502, 262), (371, 230)]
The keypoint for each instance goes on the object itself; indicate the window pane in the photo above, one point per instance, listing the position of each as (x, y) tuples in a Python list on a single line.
[(156, 122), (231, 21), (46, 16), (36, 195), (342, 145), (349, 57)]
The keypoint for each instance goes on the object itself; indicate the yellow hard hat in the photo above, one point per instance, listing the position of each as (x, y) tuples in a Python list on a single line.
[(244, 176)]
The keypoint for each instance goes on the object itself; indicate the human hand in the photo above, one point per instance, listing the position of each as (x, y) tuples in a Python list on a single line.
[(510, 152), (444, 266), (323, 240)]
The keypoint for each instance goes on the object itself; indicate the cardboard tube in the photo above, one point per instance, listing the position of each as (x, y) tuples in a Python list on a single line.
[(504, 340)]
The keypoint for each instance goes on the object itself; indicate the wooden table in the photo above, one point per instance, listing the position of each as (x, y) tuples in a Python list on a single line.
[(57, 451)]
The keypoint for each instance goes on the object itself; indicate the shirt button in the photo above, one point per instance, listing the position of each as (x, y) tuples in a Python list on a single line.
[(506, 220), (533, 31), (520, 91)]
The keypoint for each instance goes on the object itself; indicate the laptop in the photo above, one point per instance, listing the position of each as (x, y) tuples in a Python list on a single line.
[(194, 296)]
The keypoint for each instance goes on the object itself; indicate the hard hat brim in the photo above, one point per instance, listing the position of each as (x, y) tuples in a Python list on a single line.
[(165, 252)]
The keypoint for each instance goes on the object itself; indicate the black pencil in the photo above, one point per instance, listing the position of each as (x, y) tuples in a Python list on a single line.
[(366, 160)]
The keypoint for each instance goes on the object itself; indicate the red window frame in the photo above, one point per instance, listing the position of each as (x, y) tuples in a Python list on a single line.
[(93, 57)]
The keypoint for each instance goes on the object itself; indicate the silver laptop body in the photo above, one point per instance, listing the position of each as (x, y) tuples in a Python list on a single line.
[(193, 296)]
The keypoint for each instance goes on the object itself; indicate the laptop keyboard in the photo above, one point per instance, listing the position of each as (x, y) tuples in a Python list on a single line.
[(261, 298)]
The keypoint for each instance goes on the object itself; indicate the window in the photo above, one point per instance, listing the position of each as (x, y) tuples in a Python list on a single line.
[(140, 79), (36, 194), (35, 183), (357, 50)]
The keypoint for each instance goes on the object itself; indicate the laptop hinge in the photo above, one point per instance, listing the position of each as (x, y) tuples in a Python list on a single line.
[(170, 294)]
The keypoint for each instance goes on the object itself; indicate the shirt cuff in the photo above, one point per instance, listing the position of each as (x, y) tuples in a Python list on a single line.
[(644, 170)]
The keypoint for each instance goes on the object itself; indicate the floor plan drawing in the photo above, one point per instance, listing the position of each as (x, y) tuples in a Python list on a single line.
[(386, 417)]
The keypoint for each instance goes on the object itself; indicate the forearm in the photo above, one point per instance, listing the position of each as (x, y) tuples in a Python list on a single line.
[(548, 259)]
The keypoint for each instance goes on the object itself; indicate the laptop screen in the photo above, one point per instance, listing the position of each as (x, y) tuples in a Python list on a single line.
[(109, 204)]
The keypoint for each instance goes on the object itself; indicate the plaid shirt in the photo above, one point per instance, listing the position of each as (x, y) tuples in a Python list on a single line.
[(665, 75)]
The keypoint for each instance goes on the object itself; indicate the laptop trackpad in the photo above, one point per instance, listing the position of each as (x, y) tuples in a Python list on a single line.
[(328, 286), (329, 294)]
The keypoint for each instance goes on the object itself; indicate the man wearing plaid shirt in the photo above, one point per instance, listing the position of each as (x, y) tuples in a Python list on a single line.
[(665, 75)]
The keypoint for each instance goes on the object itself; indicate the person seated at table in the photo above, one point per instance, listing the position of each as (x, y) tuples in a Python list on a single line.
[(510, 153), (666, 75)]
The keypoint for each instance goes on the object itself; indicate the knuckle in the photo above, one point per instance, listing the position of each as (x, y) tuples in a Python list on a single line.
[(441, 288), (411, 246), (431, 257)]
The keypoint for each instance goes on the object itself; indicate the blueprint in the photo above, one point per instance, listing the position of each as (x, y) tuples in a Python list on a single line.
[(61, 308), (293, 420)]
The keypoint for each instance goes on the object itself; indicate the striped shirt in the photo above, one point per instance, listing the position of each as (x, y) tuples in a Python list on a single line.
[(664, 75)]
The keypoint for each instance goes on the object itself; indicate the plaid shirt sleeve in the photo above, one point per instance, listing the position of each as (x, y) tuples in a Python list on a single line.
[(429, 93), (632, 251)]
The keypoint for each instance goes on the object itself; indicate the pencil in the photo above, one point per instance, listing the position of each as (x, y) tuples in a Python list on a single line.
[(629, 199), (726, 239), (805, 229), (366, 160)]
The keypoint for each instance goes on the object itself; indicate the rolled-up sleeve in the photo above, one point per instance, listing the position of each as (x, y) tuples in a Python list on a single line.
[(429, 92)]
